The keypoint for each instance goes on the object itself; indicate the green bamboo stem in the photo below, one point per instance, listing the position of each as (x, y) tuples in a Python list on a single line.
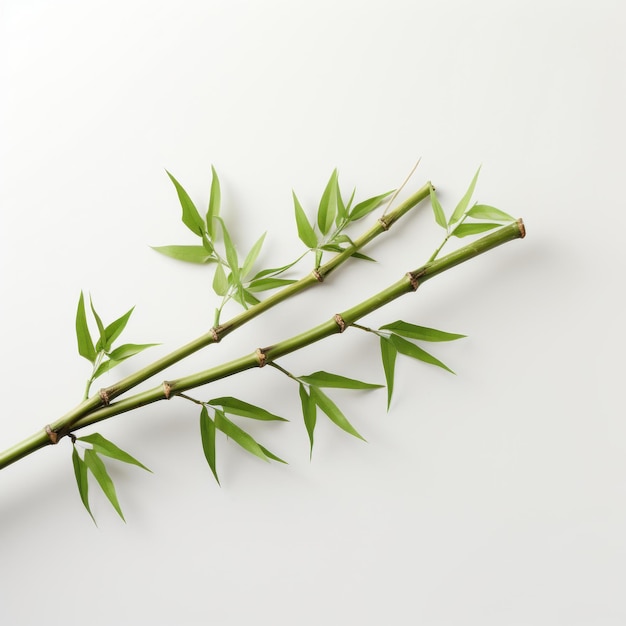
[(339, 323), (262, 356), (215, 334)]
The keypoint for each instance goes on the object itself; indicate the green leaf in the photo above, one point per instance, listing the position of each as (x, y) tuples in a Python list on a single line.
[(274, 271), (367, 206), (420, 332), (238, 435), (235, 406), (127, 350), (486, 212), (328, 204), (115, 329), (332, 411), (388, 354), (80, 472), (265, 284), (440, 216), (350, 201), (191, 217), (342, 214), (215, 201), (464, 203), (104, 367), (121, 354), (363, 257), (207, 434), (318, 258), (83, 336), (102, 341), (415, 352), (309, 413), (97, 468), (305, 230), (189, 254), (108, 448), (220, 282), (251, 257), (271, 455), (463, 230), (231, 252), (326, 379)]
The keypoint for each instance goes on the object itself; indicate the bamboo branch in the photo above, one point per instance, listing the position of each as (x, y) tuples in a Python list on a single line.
[(262, 356)]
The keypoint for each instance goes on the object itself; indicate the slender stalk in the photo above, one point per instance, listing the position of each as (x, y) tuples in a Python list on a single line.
[(339, 323), (263, 356), (215, 334)]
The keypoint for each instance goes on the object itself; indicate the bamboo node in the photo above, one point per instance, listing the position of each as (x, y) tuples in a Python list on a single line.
[(522, 228), (215, 334), (104, 396), (318, 277), (167, 389), (340, 322), (383, 223), (54, 437), (261, 356), (413, 280)]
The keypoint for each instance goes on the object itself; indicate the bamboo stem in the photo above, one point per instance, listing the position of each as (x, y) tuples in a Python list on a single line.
[(408, 283), (215, 334), (262, 356)]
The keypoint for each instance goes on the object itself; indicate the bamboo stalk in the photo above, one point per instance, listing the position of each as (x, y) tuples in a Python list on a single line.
[(338, 324), (215, 334), (262, 356)]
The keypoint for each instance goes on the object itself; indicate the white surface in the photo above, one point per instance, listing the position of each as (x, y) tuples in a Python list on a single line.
[(493, 497)]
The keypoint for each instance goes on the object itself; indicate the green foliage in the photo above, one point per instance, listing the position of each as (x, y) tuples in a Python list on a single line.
[(457, 226), (393, 341), (312, 397), (234, 282), (103, 356), (92, 463)]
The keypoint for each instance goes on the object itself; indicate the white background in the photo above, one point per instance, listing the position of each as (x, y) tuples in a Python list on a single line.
[(497, 496)]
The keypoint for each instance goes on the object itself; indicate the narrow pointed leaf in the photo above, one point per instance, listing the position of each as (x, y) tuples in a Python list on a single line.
[(115, 329), (420, 332), (271, 455), (121, 354), (486, 212), (326, 379), (189, 254), (305, 230), (108, 448), (440, 216), (350, 201), (367, 206), (388, 354), (465, 200), (238, 435), (215, 201), (415, 352), (309, 413), (207, 434), (234, 406), (328, 205), (231, 252), (101, 344), (83, 336), (80, 472), (127, 350), (463, 230), (191, 218), (363, 257), (332, 411), (342, 214), (251, 257), (220, 282), (265, 284), (97, 468), (274, 271)]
